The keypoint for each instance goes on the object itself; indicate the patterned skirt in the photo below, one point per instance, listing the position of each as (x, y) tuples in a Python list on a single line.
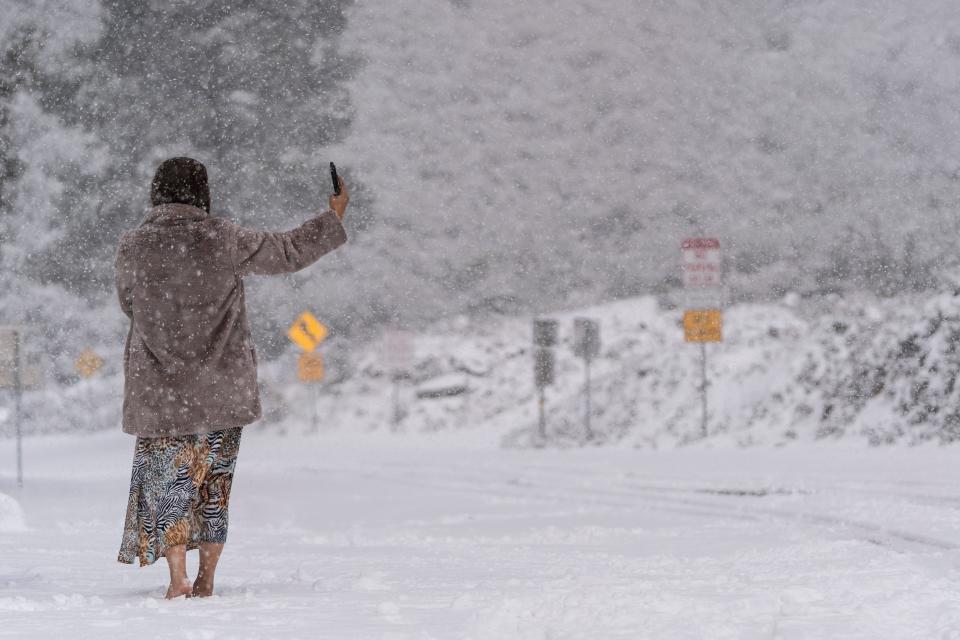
[(179, 492)]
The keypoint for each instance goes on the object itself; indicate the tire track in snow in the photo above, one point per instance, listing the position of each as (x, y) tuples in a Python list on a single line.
[(662, 498)]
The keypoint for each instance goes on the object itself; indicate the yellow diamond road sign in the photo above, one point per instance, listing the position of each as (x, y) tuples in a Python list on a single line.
[(307, 332), (88, 363)]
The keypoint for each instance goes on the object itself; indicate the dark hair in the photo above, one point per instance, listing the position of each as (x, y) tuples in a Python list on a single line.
[(181, 180)]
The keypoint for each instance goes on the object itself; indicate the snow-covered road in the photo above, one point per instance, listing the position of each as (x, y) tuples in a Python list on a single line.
[(415, 538)]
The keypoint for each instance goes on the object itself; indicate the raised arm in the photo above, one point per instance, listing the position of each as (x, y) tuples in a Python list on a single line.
[(268, 253)]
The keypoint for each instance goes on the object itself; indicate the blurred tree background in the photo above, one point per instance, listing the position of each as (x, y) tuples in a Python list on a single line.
[(504, 158)]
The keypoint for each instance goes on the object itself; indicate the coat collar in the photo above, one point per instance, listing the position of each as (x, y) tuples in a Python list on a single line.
[(173, 213)]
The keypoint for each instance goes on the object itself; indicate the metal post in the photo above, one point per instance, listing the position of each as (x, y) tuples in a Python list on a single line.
[(703, 387), (91, 404), (586, 417), (396, 401), (543, 417), (17, 391), (316, 397)]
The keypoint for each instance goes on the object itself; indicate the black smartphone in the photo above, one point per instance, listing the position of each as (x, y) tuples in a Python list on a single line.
[(336, 180)]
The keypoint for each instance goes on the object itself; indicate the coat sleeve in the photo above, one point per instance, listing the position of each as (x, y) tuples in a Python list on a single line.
[(123, 282), (268, 253)]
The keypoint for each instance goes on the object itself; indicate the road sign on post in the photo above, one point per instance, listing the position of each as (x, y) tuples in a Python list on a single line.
[(11, 365), (702, 320), (310, 367), (545, 333), (701, 263), (14, 359), (399, 354), (703, 326), (307, 332), (544, 338), (586, 344), (88, 363), (544, 365), (586, 338)]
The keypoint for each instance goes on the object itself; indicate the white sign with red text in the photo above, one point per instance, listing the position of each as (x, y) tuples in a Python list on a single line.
[(701, 263)]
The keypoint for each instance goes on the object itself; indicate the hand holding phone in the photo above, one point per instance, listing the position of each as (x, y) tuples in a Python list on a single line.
[(335, 178), (340, 197)]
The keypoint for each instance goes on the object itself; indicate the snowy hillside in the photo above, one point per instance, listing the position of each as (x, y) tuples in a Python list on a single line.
[(557, 153), (868, 368), (505, 157), (862, 368)]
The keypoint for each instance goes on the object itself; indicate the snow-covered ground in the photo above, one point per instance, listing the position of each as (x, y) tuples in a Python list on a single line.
[(382, 536)]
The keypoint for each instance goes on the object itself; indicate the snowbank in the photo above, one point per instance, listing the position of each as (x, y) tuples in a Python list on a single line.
[(879, 370), (11, 515), (856, 367)]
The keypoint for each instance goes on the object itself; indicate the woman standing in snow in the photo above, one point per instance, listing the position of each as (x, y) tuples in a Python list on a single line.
[(189, 364)]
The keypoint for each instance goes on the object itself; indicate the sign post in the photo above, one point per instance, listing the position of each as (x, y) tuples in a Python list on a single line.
[(586, 344), (310, 369), (87, 364), (702, 320), (12, 377), (19, 371), (18, 392), (544, 364), (307, 332), (399, 358)]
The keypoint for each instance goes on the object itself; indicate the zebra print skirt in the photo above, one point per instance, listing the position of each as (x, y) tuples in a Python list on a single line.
[(179, 493)]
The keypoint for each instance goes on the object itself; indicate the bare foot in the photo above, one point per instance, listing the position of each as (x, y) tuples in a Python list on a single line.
[(180, 588), (202, 588)]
